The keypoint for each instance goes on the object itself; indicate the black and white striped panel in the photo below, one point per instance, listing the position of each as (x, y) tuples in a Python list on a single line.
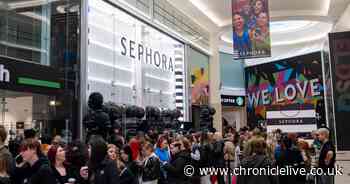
[(180, 80)]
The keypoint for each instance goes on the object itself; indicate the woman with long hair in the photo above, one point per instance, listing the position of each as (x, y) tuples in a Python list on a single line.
[(57, 157), (114, 154), (77, 157), (101, 170), (256, 157)]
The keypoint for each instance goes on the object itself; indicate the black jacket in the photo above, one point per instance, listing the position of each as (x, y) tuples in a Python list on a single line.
[(176, 168), (218, 154), (206, 152), (257, 161), (105, 173), (39, 173), (151, 169), (64, 179), (128, 175), (4, 180)]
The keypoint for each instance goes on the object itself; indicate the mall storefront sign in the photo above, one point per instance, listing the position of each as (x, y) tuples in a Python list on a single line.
[(131, 62), (232, 101), (26, 77), (292, 85)]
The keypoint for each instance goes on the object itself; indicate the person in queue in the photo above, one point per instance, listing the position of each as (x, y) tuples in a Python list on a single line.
[(34, 168), (114, 154), (128, 174), (163, 153), (257, 158), (327, 156), (180, 150), (60, 169), (150, 166), (100, 169)]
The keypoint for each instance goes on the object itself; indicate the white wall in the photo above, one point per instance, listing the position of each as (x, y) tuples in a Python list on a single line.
[(18, 110)]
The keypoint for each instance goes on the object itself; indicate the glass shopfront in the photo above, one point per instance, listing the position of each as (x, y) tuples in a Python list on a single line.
[(130, 62), (39, 55)]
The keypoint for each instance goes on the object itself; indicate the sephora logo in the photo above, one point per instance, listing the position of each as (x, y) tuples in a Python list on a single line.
[(148, 55)]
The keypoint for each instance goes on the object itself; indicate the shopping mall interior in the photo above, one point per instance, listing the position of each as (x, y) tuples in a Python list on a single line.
[(183, 63)]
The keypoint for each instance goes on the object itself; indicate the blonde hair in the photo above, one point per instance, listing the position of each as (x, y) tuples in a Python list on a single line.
[(324, 131), (229, 151)]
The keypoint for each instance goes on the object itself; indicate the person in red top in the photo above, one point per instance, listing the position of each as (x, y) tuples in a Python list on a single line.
[(135, 145)]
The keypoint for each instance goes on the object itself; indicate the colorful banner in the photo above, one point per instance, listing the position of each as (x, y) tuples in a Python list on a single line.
[(199, 67), (295, 82), (340, 60), (251, 29)]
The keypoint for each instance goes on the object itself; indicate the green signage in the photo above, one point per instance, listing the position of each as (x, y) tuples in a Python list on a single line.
[(36, 82)]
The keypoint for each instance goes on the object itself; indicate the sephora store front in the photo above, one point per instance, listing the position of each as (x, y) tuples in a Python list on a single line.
[(130, 62)]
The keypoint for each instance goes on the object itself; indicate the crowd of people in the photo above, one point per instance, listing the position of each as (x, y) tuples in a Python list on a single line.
[(160, 157)]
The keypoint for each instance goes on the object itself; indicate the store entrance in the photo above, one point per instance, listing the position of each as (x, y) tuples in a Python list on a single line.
[(20, 111)]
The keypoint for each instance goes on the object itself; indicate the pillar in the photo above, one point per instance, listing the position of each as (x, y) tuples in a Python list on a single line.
[(214, 82)]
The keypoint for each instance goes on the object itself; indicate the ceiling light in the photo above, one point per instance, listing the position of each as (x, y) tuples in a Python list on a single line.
[(53, 103)]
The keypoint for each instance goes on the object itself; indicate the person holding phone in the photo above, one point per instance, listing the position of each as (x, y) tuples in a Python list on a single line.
[(35, 168)]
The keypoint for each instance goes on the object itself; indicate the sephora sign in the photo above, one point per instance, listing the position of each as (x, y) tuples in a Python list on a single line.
[(129, 61), (150, 56)]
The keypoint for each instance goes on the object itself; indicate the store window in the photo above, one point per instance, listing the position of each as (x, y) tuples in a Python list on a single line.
[(39, 31), (39, 52), (130, 62)]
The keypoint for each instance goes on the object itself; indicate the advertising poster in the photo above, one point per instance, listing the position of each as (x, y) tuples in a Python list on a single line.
[(199, 67), (251, 29), (340, 61), (292, 87)]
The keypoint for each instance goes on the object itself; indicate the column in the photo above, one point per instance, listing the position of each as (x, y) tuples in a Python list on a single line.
[(214, 82)]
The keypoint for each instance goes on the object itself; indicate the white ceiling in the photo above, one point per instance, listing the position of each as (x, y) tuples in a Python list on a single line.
[(304, 21), (219, 11)]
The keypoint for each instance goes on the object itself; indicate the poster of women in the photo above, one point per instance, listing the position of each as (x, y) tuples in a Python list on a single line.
[(251, 29)]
